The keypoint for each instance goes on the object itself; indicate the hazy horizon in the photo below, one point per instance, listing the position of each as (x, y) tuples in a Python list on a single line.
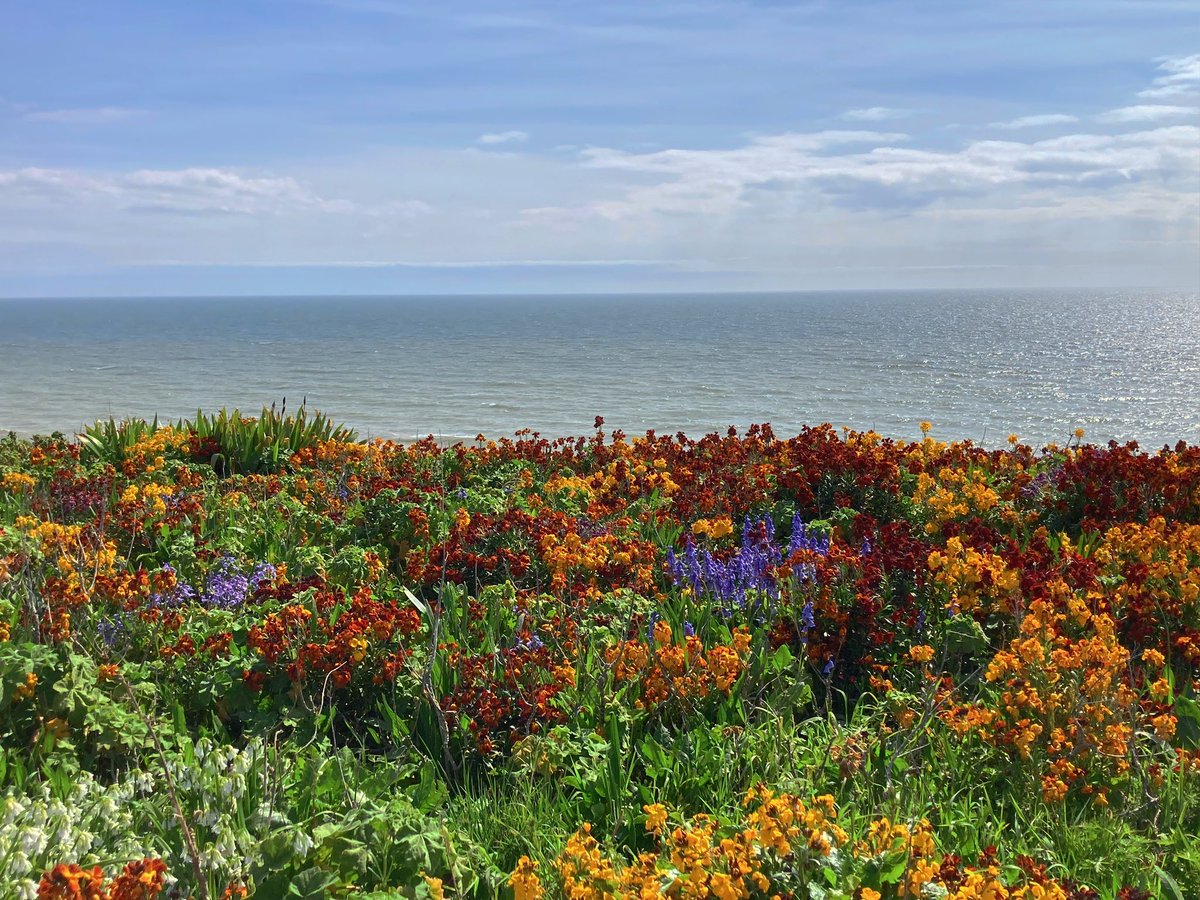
[(1193, 292)]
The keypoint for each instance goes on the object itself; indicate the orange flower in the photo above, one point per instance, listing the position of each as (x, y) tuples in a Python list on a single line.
[(656, 817), (921, 653)]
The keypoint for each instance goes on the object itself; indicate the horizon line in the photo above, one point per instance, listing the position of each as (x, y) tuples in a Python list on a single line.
[(1195, 289)]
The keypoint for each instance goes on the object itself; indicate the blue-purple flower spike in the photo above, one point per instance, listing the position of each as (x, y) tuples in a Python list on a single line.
[(752, 566)]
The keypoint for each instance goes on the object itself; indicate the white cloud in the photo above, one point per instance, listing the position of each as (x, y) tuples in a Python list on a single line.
[(709, 182), (875, 114), (770, 209), (419, 264), (1036, 121), (1146, 113), (98, 115), (1183, 77), (194, 190), (503, 137)]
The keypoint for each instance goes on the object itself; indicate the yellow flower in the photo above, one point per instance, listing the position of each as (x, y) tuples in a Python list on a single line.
[(656, 817), (921, 653), (926, 427), (524, 880), (17, 481), (869, 894), (714, 528), (723, 887), (662, 632)]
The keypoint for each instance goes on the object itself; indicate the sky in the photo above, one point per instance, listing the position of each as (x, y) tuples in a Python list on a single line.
[(403, 146)]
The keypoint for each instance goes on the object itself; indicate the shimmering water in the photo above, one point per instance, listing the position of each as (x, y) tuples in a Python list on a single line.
[(1123, 365)]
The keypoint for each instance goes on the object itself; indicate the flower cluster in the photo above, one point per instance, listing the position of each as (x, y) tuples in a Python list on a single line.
[(142, 879), (783, 845), (1037, 610)]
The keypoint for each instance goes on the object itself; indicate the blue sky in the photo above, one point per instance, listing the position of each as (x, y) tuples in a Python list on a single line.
[(378, 146)]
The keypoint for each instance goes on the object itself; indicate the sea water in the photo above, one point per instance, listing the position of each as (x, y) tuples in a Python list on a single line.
[(1123, 365)]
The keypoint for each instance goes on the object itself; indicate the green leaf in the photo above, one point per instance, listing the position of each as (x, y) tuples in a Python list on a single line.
[(1169, 883), (965, 635), (311, 884)]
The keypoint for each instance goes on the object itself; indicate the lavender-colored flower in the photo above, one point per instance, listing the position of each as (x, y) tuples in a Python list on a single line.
[(807, 620), (828, 668), (263, 571), (181, 594), (751, 568), (689, 630), (534, 643), (655, 618), (225, 587), (112, 629), (1044, 481)]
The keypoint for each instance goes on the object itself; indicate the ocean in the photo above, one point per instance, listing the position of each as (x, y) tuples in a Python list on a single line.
[(1123, 365)]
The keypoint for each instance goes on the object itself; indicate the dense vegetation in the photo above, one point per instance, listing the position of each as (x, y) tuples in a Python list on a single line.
[(256, 657)]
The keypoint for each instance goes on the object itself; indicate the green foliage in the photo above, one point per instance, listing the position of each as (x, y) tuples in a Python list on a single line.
[(239, 444), (110, 441), (266, 443)]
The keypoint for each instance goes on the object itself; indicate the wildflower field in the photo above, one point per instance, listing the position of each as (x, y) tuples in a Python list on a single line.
[(258, 657)]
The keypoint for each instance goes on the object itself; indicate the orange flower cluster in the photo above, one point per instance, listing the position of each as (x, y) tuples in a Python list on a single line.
[(337, 640), (783, 845), (682, 673), (572, 558), (1064, 698), (972, 578), (142, 879)]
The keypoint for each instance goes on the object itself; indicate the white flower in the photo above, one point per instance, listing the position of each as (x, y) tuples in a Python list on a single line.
[(301, 843), (19, 864), (30, 841)]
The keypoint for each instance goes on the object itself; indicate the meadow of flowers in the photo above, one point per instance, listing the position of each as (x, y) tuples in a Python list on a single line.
[(258, 657)]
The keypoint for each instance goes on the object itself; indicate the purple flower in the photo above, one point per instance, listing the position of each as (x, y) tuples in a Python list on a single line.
[(180, 595), (655, 618), (751, 568), (225, 587), (534, 643), (112, 629)]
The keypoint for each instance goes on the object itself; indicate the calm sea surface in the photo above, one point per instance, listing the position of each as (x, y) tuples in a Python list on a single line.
[(1122, 365)]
